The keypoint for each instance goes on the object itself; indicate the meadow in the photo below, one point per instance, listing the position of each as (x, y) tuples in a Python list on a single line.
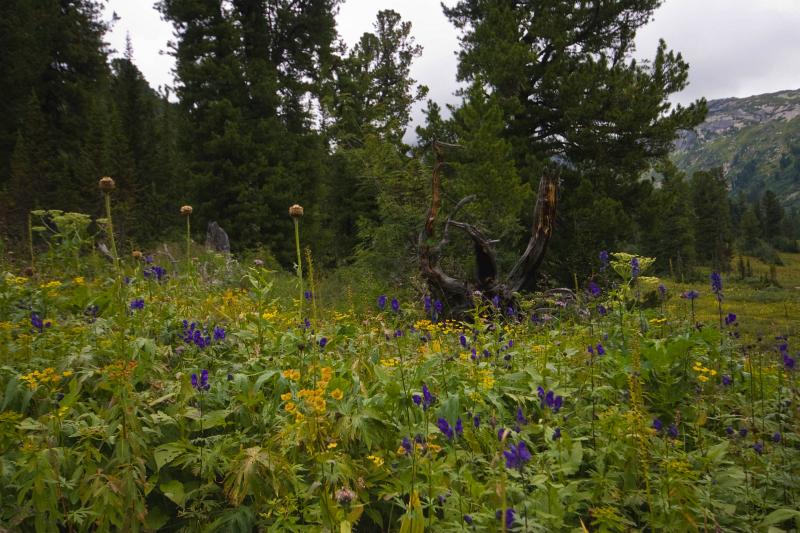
[(209, 395)]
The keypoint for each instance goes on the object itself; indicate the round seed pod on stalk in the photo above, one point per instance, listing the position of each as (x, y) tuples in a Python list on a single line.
[(296, 211), (106, 184)]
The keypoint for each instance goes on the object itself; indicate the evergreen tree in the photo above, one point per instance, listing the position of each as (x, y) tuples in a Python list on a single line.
[(750, 230), (483, 166), (771, 216), (250, 72), (368, 107), (55, 76), (713, 231), (673, 234), (571, 93)]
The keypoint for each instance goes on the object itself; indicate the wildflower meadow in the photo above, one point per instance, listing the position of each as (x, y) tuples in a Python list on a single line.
[(149, 393)]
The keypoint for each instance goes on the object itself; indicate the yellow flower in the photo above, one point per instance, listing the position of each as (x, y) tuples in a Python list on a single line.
[(337, 394), (286, 397), (376, 460), (332, 445), (290, 406), (50, 285), (299, 417), (291, 374), (435, 448), (401, 451), (78, 280), (67, 373), (703, 378)]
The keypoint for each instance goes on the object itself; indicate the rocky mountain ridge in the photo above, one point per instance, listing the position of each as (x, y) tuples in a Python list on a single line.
[(755, 139)]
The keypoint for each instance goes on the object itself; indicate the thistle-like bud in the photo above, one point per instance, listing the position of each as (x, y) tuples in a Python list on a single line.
[(345, 496), (106, 184), (296, 211), (186, 210), (137, 254)]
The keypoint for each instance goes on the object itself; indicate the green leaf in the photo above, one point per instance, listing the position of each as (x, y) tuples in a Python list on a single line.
[(174, 491), (780, 515), (166, 453)]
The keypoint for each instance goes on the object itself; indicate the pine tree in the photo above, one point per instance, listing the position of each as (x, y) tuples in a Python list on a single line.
[(750, 230), (55, 73), (771, 216), (483, 166), (368, 106), (712, 212), (572, 95), (674, 228)]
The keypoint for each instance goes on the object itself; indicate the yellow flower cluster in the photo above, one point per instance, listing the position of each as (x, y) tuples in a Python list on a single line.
[(269, 314), (50, 285), (678, 465), (658, 321), (79, 280), (18, 280), (48, 376), (290, 374), (703, 372), (376, 460), (390, 362), (120, 370), (486, 379), (313, 398), (6, 325), (431, 347)]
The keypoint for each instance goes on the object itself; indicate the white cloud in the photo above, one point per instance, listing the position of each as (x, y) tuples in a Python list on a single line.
[(734, 47)]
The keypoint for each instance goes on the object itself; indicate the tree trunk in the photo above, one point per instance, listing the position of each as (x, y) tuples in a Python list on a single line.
[(459, 296)]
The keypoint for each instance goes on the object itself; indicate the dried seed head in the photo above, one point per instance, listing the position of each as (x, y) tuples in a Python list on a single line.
[(296, 211), (186, 210), (345, 496), (106, 184), (137, 254)]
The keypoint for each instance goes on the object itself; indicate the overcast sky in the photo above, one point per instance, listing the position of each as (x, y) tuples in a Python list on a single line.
[(734, 47)]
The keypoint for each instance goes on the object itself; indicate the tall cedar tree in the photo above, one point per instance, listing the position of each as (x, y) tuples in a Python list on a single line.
[(570, 92)]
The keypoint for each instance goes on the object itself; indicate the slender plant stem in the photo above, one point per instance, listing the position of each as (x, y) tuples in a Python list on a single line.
[(30, 241), (110, 227), (188, 244), (299, 266)]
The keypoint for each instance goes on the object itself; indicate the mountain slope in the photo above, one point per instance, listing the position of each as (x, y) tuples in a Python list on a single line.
[(755, 139)]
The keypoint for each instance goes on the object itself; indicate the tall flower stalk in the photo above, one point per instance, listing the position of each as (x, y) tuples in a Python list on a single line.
[(107, 185), (186, 211), (296, 212)]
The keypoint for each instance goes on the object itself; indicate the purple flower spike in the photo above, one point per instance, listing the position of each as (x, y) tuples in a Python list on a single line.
[(517, 456), (445, 428)]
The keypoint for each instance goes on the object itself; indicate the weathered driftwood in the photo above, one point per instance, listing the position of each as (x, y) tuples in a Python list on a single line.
[(459, 295)]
